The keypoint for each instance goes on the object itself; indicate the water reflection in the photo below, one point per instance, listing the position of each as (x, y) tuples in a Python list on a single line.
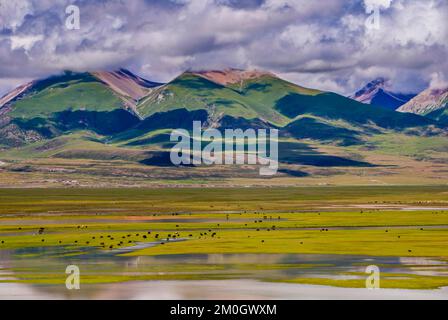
[(222, 276)]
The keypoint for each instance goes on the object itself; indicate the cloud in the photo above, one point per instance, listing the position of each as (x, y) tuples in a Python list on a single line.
[(24, 42), (438, 81), (13, 13), (322, 44), (381, 4)]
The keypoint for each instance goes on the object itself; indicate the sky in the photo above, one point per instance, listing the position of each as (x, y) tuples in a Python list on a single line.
[(334, 45)]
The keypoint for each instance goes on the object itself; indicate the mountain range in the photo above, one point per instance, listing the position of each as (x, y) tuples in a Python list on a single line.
[(111, 103), (118, 116)]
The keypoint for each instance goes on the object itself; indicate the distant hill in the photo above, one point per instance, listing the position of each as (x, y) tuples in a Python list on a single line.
[(432, 103), (376, 94)]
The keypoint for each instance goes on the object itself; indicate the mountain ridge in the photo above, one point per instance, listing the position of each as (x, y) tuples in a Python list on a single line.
[(376, 93), (98, 101)]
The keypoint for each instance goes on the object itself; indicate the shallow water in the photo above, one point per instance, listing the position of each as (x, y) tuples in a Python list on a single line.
[(242, 279), (212, 290)]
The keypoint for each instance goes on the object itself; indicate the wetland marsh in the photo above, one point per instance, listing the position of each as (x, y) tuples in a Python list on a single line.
[(281, 239)]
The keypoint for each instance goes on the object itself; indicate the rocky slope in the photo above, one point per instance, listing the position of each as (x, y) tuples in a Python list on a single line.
[(426, 102)]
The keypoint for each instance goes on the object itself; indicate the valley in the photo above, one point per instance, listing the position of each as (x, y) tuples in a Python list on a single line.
[(86, 179), (113, 129)]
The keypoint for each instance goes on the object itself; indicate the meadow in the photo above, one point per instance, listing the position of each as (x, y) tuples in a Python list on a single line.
[(308, 235)]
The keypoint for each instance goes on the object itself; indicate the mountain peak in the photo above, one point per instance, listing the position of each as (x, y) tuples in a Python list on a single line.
[(376, 93), (231, 75), (428, 101), (369, 90), (126, 83)]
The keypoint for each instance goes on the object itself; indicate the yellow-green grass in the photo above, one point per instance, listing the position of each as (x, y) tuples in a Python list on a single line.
[(412, 243), (360, 218), (149, 201), (387, 281), (283, 230), (408, 145), (109, 272), (326, 220), (95, 278)]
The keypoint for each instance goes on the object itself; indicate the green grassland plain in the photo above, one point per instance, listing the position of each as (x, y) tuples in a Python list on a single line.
[(389, 221)]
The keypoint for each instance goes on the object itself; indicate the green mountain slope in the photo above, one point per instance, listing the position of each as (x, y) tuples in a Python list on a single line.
[(127, 109), (264, 91), (117, 126), (318, 129), (335, 107), (68, 92), (192, 92), (440, 115), (251, 98), (102, 102)]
